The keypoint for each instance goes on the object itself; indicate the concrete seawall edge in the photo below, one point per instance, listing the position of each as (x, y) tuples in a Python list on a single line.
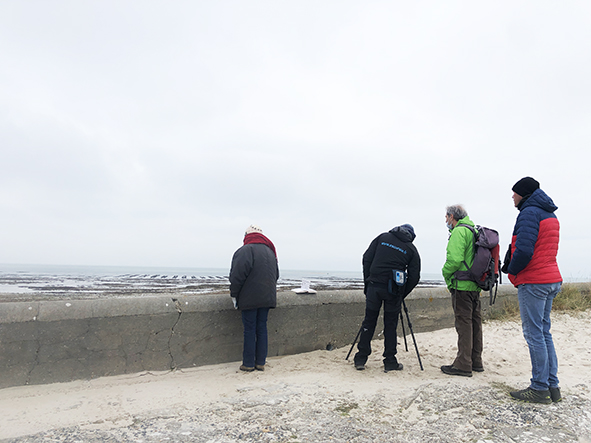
[(58, 341)]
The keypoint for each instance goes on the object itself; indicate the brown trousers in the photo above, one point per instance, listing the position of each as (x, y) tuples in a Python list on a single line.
[(466, 305)]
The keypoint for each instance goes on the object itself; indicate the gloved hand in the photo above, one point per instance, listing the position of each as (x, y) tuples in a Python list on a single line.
[(235, 302), (505, 267)]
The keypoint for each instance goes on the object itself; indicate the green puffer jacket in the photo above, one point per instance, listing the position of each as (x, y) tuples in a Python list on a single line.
[(460, 248)]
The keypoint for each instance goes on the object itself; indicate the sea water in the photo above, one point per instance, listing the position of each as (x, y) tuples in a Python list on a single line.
[(128, 280)]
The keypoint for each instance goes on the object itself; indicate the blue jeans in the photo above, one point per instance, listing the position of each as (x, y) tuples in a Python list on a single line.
[(535, 304), (255, 336)]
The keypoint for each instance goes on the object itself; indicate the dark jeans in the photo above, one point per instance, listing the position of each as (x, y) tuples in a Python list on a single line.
[(466, 305), (255, 336), (376, 296)]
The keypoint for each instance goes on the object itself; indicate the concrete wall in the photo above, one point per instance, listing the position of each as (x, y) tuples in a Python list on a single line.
[(58, 341)]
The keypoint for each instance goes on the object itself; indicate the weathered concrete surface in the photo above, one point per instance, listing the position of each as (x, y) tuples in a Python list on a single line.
[(56, 341)]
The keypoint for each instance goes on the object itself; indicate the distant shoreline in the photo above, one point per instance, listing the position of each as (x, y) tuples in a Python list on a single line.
[(108, 270), (25, 285), (52, 282)]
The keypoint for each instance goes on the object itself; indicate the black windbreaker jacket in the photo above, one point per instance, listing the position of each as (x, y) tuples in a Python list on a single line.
[(390, 251)]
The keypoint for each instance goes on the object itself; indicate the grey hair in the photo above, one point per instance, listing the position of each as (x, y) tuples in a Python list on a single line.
[(456, 211)]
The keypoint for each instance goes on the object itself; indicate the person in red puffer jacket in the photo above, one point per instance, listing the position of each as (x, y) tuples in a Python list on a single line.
[(534, 271)]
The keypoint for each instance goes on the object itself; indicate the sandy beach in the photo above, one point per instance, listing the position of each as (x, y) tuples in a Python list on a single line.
[(319, 397)]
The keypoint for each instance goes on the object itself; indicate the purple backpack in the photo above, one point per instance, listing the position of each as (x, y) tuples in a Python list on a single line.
[(485, 269)]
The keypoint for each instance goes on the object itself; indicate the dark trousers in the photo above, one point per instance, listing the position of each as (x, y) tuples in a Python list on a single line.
[(255, 337), (466, 305), (376, 296)]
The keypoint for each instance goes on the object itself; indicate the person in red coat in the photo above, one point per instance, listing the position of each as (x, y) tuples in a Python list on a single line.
[(534, 271)]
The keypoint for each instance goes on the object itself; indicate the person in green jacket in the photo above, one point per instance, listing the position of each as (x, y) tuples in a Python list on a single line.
[(465, 294)]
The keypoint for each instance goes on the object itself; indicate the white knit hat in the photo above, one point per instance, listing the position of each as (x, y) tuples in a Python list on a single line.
[(253, 228)]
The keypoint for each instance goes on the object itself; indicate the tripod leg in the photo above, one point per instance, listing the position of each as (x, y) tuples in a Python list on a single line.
[(412, 334), (354, 341), (403, 331)]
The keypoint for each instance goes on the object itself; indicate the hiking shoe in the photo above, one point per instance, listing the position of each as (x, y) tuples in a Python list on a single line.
[(532, 396), (246, 368), (477, 369), (450, 370), (393, 367), (259, 367), (555, 394), (359, 366)]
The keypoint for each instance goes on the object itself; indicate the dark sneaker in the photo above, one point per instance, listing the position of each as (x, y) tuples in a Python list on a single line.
[(532, 396), (477, 369), (555, 395), (393, 367), (246, 368), (450, 370), (360, 363)]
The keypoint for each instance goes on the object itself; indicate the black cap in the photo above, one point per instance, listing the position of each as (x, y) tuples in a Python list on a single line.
[(526, 186)]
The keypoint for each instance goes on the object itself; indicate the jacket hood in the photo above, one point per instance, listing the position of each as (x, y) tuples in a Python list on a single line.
[(403, 234), (541, 200)]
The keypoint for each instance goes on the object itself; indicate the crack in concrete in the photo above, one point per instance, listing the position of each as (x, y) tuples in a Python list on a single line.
[(177, 305), (35, 362)]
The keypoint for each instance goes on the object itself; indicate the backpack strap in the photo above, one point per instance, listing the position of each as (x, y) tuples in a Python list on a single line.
[(471, 228), (475, 238)]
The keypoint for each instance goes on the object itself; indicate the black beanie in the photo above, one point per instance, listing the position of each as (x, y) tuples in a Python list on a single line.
[(409, 228), (526, 186)]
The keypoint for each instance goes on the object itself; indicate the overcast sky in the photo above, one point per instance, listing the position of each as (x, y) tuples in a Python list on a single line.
[(153, 133)]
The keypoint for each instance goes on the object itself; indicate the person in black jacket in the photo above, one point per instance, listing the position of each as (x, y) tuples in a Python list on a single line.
[(253, 288), (389, 252)]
